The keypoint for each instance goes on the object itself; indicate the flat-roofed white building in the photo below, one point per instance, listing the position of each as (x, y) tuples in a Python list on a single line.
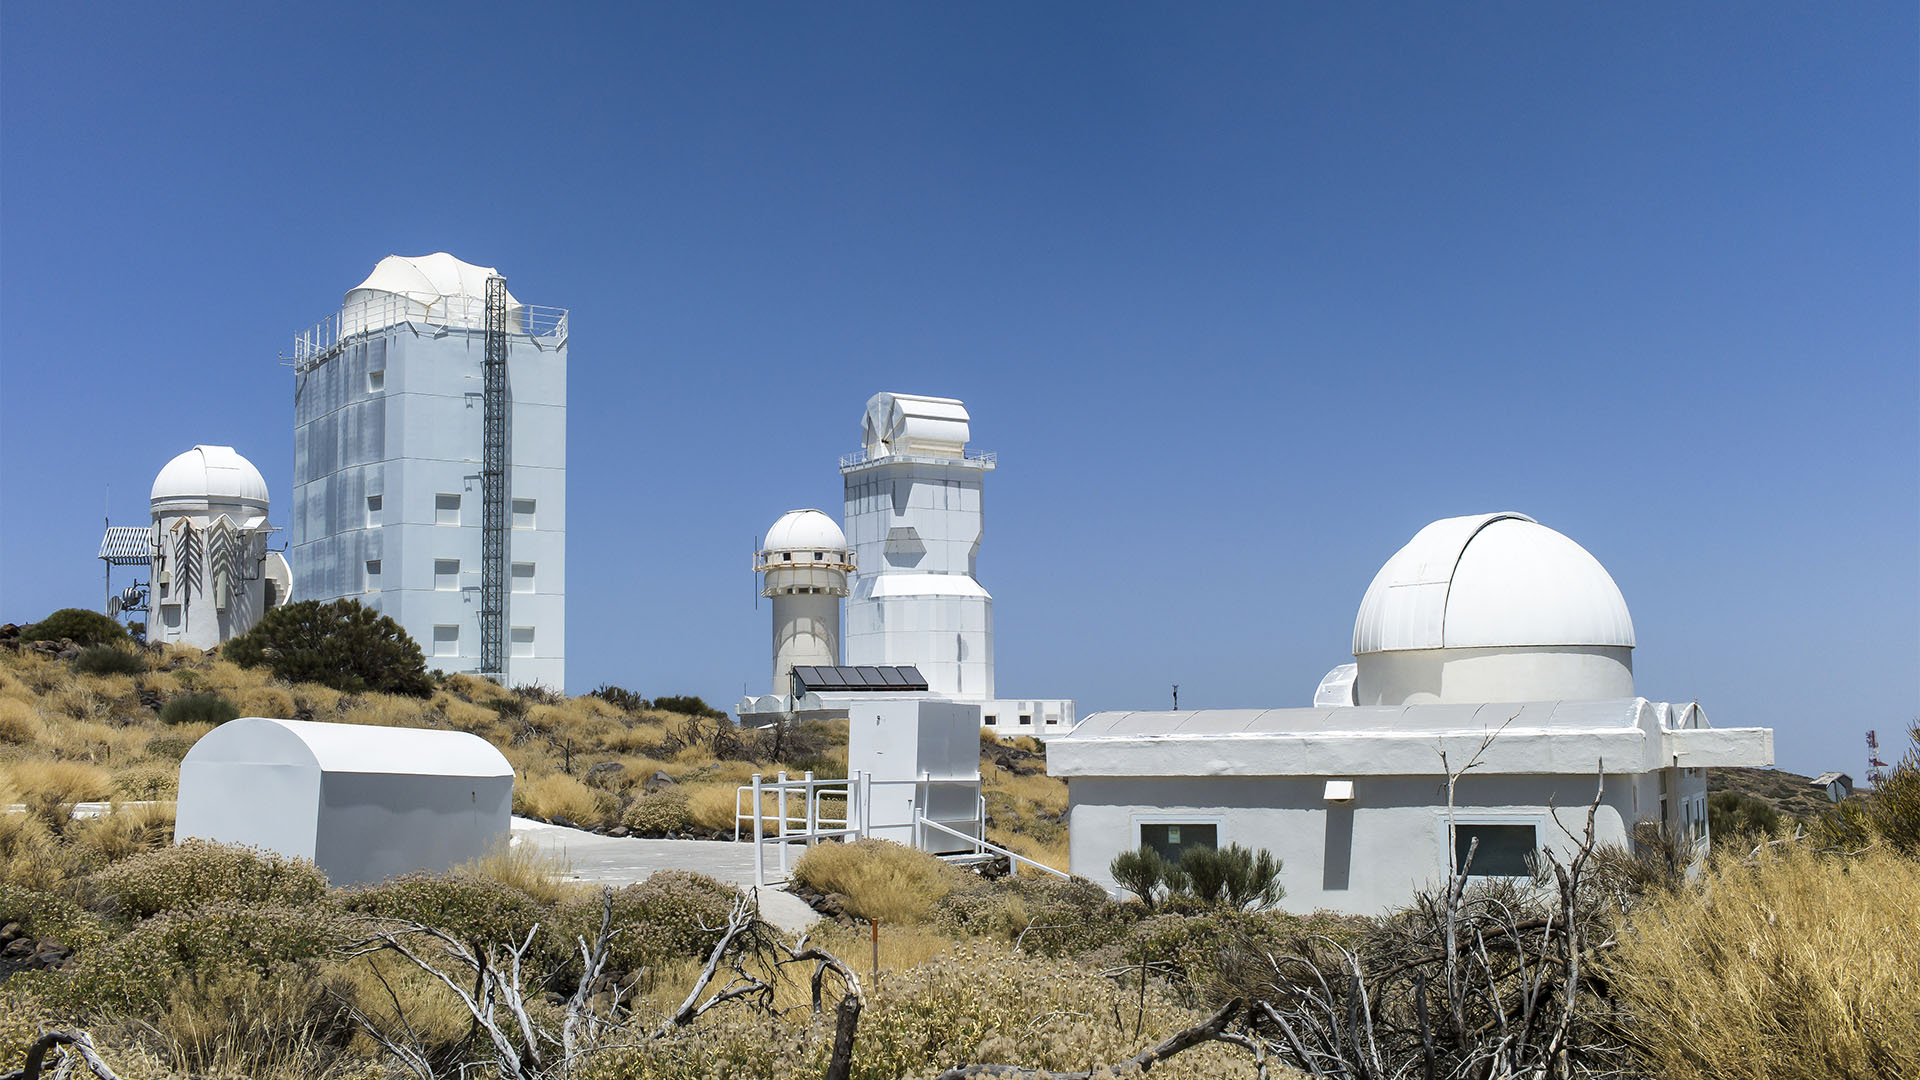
[(1490, 627), (390, 455)]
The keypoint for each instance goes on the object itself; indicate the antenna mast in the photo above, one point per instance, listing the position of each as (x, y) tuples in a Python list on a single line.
[(1874, 765), (493, 488)]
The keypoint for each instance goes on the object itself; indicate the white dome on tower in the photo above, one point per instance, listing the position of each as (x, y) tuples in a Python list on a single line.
[(438, 289), (804, 530), (210, 474), (1492, 607)]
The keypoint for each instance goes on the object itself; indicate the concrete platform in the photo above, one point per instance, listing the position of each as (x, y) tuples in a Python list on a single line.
[(616, 860)]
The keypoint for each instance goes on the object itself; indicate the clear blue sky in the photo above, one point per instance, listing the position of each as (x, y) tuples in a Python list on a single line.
[(1242, 296)]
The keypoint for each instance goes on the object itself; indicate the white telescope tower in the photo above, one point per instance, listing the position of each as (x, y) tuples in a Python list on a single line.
[(805, 562)]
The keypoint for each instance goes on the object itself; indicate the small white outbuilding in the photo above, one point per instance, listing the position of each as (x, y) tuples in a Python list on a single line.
[(364, 803)]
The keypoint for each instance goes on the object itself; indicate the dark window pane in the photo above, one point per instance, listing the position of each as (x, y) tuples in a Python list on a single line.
[(1172, 841), (1503, 851)]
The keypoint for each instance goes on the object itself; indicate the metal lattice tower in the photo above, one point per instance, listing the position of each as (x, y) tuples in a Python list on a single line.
[(493, 488)]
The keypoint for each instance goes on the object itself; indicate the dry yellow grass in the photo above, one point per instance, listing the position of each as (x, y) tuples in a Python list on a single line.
[(557, 795), (539, 874), (124, 831), (271, 701), (712, 805), (880, 879), (19, 722), (59, 781), (387, 710), (1796, 967)]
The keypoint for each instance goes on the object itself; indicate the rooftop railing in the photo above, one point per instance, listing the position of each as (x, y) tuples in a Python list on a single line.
[(985, 459), (362, 317)]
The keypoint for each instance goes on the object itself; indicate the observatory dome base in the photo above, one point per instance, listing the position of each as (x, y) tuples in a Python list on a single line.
[(1541, 673)]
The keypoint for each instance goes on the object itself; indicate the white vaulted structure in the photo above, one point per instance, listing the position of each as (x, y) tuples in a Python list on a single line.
[(210, 567), (363, 803), (1488, 639), (390, 452)]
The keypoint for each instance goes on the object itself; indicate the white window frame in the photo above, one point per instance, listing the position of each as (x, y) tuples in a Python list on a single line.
[(514, 643), (514, 578), (1473, 817), (376, 508), (377, 381), (532, 514), (374, 568), (439, 511), (1217, 820), (439, 574), (454, 641)]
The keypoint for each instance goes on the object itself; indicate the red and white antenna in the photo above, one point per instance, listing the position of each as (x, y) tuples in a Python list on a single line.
[(1874, 764)]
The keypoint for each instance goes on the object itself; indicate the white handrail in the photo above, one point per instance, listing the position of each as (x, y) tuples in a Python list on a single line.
[(982, 846)]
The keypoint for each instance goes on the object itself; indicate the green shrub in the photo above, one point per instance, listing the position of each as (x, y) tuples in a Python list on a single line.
[(206, 708), (51, 915), (138, 970), (1235, 876), (476, 910), (659, 811), (342, 644), (1143, 872), (620, 698), (109, 660), (1048, 916), (171, 747), (687, 704), (82, 626), (1735, 817), (197, 872), (663, 917)]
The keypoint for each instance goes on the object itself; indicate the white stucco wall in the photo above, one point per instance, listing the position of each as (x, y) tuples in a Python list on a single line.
[(1363, 857), (916, 752), (915, 526), (1506, 673), (398, 417)]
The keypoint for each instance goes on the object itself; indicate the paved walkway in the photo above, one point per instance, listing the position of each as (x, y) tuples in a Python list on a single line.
[(626, 860)]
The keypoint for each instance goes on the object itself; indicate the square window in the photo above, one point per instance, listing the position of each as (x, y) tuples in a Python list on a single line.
[(446, 509), (1504, 850), (373, 510), (1026, 719), (523, 641), (373, 574), (523, 577), (376, 381), (446, 641), (819, 555), (992, 720), (1173, 840), (446, 574), (523, 513)]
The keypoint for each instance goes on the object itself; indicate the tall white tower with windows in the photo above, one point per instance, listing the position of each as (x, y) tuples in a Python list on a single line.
[(390, 429), (804, 565)]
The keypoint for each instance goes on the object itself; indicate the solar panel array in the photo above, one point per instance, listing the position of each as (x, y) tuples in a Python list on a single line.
[(864, 678)]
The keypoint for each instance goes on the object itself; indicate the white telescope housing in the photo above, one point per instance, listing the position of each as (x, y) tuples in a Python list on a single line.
[(209, 548), (805, 562)]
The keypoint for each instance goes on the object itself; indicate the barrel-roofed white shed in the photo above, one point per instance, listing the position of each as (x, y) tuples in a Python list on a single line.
[(364, 803)]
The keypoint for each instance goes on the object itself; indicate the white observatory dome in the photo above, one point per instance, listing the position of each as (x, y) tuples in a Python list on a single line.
[(207, 475), (436, 288), (804, 530), (1492, 607)]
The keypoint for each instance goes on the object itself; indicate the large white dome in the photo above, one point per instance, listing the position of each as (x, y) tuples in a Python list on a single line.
[(804, 530), (210, 474), (1491, 581)]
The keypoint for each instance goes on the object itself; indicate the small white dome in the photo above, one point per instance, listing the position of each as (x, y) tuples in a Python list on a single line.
[(1491, 581), (210, 474), (808, 530)]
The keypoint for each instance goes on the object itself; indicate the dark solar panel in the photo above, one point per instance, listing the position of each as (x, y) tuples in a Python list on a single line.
[(863, 678)]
